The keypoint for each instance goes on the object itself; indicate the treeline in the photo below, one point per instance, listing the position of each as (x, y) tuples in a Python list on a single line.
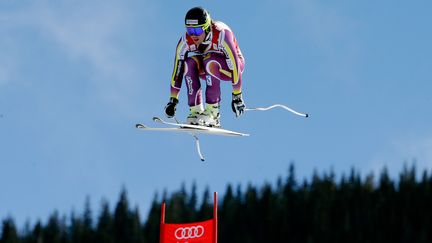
[(321, 209)]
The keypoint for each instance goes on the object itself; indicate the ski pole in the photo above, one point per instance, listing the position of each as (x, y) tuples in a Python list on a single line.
[(197, 142), (275, 106)]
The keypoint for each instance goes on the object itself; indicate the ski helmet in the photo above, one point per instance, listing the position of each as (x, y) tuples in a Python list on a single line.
[(198, 17)]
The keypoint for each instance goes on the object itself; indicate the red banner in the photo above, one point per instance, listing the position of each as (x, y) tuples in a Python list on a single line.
[(198, 232)]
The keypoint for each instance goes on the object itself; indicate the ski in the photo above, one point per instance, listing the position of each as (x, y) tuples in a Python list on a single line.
[(163, 129), (197, 129), (192, 130)]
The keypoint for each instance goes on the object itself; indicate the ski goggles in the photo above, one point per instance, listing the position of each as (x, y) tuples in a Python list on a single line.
[(197, 31)]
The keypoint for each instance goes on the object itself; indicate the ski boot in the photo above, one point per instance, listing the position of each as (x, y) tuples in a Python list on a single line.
[(210, 117), (195, 112)]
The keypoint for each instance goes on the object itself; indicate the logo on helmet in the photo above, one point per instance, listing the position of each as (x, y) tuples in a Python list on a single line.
[(191, 21)]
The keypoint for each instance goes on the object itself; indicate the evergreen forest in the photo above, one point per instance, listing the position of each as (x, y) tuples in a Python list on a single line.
[(350, 209)]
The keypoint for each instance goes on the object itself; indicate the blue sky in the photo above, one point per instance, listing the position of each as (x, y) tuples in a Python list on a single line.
[(75, 76)]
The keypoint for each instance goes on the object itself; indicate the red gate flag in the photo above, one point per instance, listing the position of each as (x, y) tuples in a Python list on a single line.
[(196, 232)]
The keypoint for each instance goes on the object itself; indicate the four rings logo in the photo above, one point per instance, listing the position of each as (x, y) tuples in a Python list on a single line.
[(189, 232)]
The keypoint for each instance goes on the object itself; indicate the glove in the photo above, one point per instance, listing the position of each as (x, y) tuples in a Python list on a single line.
[(170, 108), (237, 104)]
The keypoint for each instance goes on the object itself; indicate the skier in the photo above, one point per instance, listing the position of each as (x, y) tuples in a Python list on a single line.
[(208, 51)]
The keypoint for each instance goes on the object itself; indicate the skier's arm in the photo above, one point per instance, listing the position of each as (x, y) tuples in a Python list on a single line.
[(234, 60), (177, 75), (176, 79)]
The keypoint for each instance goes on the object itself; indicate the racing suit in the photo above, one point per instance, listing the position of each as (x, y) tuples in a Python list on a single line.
[(217, 58)]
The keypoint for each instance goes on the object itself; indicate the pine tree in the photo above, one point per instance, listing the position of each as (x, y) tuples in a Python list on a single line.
[(192, 203), (205, 211), (151, 227), (177, 211), (88, 231), (228, 217), (9, 232), (126, 222), (55, 230), (105, 226)]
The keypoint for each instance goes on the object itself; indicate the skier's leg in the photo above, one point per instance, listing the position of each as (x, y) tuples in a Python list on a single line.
[(193, 84), (191, 77), (216, 70)]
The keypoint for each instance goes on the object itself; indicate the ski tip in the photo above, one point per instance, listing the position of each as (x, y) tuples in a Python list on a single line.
[(157, 119), (140, 126)]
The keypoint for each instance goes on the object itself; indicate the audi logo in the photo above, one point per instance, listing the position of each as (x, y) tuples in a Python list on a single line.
[(185, 233)]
